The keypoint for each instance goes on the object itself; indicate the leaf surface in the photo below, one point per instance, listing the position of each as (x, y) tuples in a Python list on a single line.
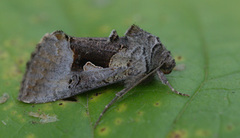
[(202, 35)]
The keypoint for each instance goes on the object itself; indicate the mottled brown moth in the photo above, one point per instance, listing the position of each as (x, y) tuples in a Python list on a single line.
[(63, 66)]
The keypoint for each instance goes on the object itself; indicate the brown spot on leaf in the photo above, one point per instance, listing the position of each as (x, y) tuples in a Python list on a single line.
[(118, 121), (140, 113), (202, 133), (95, 96), (103, 129), (178, 134), (122, 107), (157, 104), (98, 93), (229, 127), (20, 61), (33, 122), (179, 58)]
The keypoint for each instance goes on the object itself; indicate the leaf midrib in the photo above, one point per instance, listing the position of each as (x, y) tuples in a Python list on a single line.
[(199, 30)]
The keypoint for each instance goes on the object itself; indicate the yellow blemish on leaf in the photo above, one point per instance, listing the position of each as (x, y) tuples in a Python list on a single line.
[(139, 116), (19, 116), (63, 104), (178, 134), (118, 121), (179, 58), (3, 55), (7, 43), (47, 107), (121, 108), (103, 131), (30, 136), (137, 119), (13, 72), (10, 105), (22, 120), (13, 112), (94, 97), (229, 127), (140, 113), (157, 104), (12, 42), (202, 133), (85, 114)]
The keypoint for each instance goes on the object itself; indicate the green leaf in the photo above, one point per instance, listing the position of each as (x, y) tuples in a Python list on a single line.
[(202, 35)]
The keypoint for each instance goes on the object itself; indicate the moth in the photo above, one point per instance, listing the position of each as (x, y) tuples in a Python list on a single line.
[(63, 66)]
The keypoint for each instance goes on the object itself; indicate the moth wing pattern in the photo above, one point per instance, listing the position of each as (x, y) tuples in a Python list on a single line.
[(52, 72), (92, 79), (138, 55), (46, 74), (132, 55), (49, 76), (90, 66)]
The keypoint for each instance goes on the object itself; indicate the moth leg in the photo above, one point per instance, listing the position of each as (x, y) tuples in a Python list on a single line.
[(118, 96), (165, 82), (139, 79), (109, 104)]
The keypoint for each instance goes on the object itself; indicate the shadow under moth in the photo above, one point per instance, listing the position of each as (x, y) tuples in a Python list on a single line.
[(63, 66)]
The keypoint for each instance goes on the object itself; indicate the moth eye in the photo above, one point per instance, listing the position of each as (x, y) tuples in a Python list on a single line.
[(168, 66)]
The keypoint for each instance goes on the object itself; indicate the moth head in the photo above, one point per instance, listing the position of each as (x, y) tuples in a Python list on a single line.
[(160, 56), (168, 66)]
